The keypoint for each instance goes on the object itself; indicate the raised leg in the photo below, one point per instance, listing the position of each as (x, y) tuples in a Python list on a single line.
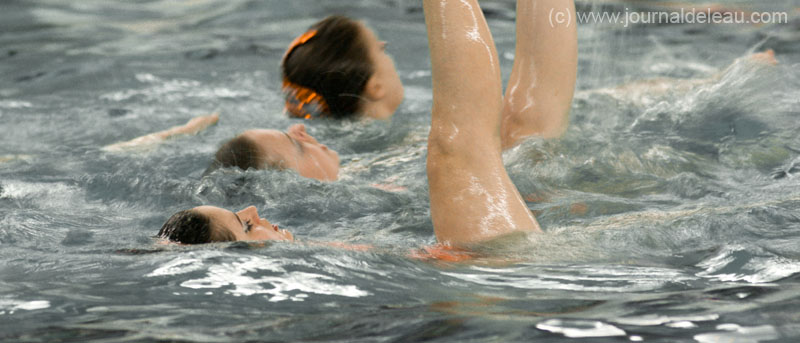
[(542, 82), (472, 197)]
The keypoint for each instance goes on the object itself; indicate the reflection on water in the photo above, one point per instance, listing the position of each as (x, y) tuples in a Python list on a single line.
[(736, 333), (279, 286), (670, 207), (580, 328), (9, 306)]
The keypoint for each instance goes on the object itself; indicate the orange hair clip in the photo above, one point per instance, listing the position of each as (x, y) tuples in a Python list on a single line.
[(303, 102), (299, 41)]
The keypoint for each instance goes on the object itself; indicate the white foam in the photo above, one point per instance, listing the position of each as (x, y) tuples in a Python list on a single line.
[(671, 321), (178, 266), (580, 328), (739, 334), (172, 90), (9, 306), (682, 325), (589, 279), (15, 104), (49, 194), (292, 286), (147, 78)]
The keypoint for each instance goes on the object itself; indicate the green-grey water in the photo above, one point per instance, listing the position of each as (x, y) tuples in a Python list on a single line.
[(671, 217)]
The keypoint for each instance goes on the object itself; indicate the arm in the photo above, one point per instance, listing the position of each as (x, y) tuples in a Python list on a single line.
[(472, 197), (540, 89), (194, 126)]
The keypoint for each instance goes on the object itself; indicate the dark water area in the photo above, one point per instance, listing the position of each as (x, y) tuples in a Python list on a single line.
[(671, 215)]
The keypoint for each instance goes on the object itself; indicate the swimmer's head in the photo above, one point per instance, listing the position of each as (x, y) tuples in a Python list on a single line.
[(272, 149), (192, 227), (209, 224), (241, 152), (340, 69)]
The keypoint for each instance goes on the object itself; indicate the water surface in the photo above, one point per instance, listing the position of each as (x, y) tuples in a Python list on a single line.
[(669, 217)]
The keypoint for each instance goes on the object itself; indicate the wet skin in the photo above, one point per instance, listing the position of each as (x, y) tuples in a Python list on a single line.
[(384, 91), (297, 150), (245, 225)]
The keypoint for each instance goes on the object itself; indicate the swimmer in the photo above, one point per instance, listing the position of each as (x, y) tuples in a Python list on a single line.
[(472, 197), (209, 224), (206, 224), (293, 149), (340, 69)]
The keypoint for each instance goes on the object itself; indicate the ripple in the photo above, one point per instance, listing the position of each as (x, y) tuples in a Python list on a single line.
[(13, 104), (576, 278), (753, 265), (43, 194), (172, 90)]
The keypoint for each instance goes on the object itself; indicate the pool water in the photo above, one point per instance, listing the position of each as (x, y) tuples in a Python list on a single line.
[(669, 217)]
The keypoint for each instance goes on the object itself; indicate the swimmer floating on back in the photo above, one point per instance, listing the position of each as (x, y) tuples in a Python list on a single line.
[(293, 149), (258, 148), (472, 198)]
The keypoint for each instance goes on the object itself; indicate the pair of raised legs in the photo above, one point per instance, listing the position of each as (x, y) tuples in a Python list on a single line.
[(472, 197)]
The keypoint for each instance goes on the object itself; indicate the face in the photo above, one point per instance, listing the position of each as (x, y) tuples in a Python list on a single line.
[(385, 72), (245, 225), (296, 149)]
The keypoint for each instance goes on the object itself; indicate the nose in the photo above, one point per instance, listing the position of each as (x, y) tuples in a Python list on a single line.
[(298, 131)]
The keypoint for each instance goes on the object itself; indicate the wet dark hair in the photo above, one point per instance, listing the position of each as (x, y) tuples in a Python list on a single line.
[(334, 63), (240, 152), (191, 227)]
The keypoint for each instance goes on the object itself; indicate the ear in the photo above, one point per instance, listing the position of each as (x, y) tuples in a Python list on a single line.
[(375, 89)]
